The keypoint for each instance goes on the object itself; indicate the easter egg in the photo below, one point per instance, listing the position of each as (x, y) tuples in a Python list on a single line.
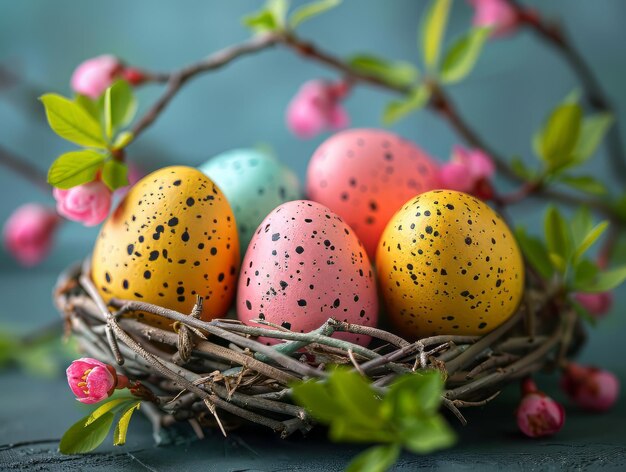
[(448, 264), (172, 237), (303, 266), (365, 176), (254, 183)]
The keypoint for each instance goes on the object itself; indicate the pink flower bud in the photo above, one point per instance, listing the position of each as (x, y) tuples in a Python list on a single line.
[(29, 232), (88, 203), (538, 415), (497, 14), (598, 304), (589, 387), (93, 381), (133, 76), (316, 108), (92, 77), (469, 171)]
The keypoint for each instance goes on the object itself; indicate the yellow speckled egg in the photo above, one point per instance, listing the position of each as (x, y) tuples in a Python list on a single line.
[(172, 237), (448, 264)]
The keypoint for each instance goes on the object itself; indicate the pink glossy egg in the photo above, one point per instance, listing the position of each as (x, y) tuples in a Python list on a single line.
[(303, 266), (366, 175)]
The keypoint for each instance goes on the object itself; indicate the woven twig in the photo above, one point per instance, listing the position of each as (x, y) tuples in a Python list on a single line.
[(216, 373)]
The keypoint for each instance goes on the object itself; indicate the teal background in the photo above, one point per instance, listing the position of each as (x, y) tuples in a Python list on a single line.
[(506, 98)]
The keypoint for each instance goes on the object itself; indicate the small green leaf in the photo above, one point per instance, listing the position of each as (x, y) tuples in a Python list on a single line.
[(75, 168), (583, 313), (311, 10), (119, 435), (414, 395), (108, 118), (398, 73), (584, 183), (123, 139), (590, 238), (536, 253), (355, 396), (70, 121), (592, 132), (115, 174), (573, 96), (581, 224), (89, 105), (585, 273), (463, 54), (84, 437), (521, 170), (316, 399), (112, 406), (416, 99), (560, 135), (606, 281), (271, 18), (375, 459), (123, 104), (558, 236), (432, 31), (429, 435)]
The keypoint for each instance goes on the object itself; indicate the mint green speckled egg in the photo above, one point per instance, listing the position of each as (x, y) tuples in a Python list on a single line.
[(254, 183)]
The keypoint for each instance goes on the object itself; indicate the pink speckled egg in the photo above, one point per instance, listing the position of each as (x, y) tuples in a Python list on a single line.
[(304, 265), (366, 175)]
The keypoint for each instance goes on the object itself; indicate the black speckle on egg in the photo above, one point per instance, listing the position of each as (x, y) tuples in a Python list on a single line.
[(301, 302), (147, 274), (172, 222)]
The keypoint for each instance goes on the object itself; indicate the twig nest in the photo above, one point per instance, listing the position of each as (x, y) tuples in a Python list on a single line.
[(448, 264)]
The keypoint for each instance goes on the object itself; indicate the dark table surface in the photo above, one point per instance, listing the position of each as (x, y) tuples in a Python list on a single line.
[(35, 411)]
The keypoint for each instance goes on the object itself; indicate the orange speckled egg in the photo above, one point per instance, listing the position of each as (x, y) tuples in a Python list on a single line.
[(365, 175), (172, 237), (448, 264)]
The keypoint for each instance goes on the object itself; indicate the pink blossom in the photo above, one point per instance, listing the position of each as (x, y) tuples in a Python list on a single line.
[(598, 304), (498, 14), (316, 108), (538, 415), (590, 388), (93, 381), (29, 232), (95, 75), (469, 171), (88, 203)]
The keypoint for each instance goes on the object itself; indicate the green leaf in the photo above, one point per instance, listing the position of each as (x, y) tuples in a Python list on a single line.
[(69, 120), (521, 170), (560, 135), (375, 459), (110, 406), (84, 437), (119, 435), (115, 174), (123, 139), (429, 435), (606, 281), (584, 183), (416, 99), (75, 168), (558, 236), (573, 96), (463, 54), (123, 104), (432, 30), (583, 313), (414, 395), (585, 273), (89, 105), (535, 252), (271, 18), (398, 73), (592, 132), (590, 238), (316, 399), (355, 396), (311, 10)]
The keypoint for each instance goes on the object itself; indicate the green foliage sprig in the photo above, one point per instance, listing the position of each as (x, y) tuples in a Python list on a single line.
[(406, 415), (89, 432), (96, 126)]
